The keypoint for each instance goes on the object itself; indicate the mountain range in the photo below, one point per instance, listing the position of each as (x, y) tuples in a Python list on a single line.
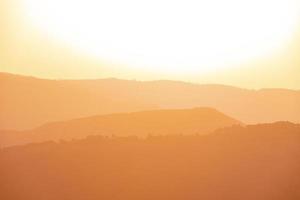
[(28, 102)]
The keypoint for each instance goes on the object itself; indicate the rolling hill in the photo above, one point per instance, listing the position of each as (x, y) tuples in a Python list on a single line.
[(143, 123)]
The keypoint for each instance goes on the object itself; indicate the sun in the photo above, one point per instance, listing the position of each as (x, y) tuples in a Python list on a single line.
[(172, 36)]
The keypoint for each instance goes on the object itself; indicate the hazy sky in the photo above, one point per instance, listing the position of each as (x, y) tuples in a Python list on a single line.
[(43, 47)]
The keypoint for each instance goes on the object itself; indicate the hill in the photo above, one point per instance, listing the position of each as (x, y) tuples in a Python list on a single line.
[(155, 122), (260, 162), (27, 102)]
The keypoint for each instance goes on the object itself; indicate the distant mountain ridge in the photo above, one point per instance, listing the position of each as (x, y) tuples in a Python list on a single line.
[(28, 102), (155, 122)]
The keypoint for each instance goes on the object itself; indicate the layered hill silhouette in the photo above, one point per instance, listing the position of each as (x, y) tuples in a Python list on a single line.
[(141, 124), (27, 102), (260, 162)]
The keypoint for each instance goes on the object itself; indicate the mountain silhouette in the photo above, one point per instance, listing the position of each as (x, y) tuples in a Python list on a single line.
[(28, 102), (260, 162), (143, 123)]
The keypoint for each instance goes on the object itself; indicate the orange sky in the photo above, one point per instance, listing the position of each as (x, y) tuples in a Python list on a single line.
[(24, 50)]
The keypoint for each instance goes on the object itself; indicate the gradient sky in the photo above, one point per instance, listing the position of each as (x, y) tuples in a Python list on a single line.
[(26, 50)]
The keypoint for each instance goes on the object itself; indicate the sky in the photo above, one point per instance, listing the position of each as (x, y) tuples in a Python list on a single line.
[(36, 41)]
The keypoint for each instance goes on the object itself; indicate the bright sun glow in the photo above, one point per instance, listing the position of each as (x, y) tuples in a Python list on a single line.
[(169, 35)]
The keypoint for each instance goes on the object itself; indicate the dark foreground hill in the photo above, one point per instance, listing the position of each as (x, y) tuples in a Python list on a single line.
[(260, 162), (155, 122), (27, 102)]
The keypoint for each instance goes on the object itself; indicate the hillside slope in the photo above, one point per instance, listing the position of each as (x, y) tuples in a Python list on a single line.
[(260, 162)]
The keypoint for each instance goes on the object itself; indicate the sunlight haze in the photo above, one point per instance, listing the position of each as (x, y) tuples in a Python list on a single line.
[(224, 42), (168, 36)]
